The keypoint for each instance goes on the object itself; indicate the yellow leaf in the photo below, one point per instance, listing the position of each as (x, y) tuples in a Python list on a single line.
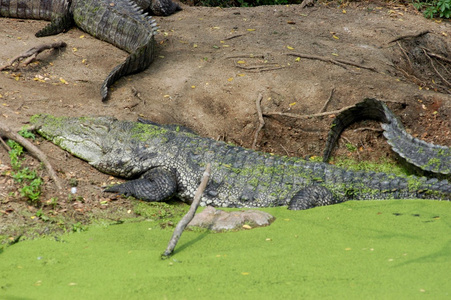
[(166, 96), (297, 59), (244, 273), (343, 11), (347, 249), (193, 86), (241, 75), (216, 27), (335, 37), (83, 61), (1, 96), (17, 78), (251, 29), (195, 46), (245, 226), (230, 79), (292, 104), (82, 36), (444, 34), (222, 42), (241, 62), (63, 81), (289, 47), (225, 46), (74, 49), (334, 54)]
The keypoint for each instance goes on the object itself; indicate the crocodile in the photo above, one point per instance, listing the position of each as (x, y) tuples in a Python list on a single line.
[(426, 156), (123, 23), (163, 161)]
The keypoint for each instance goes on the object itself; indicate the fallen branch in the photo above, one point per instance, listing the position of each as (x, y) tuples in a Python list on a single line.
[(261, 121), (339, 62), (189, 215), (8, 133), (31, 54), (408, 36), (272, 113)]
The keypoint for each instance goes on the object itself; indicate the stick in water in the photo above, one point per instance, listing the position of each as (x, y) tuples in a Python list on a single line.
[(189, 215)]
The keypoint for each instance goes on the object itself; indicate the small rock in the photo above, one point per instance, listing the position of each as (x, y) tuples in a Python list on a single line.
[(219, 220)]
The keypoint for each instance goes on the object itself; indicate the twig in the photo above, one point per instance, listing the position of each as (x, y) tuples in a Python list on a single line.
[(233, 36), (32, 53), (271, 113), (328, 100), (408, 36), (246, 55), (189, 215), (261, 121), (4, 130)]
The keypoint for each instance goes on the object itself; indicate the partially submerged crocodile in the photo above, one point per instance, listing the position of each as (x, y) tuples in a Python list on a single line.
[(166, 161), (123, 23)]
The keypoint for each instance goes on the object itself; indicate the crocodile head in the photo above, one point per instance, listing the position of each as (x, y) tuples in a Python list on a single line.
[(83, 137)]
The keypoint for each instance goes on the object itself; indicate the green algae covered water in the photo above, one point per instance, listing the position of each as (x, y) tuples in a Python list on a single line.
[(355, 250)]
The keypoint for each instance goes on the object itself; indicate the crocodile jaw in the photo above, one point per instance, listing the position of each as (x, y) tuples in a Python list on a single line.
[(82, 137)]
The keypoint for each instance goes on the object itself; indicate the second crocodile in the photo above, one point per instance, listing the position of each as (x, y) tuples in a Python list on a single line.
[(123, 23)]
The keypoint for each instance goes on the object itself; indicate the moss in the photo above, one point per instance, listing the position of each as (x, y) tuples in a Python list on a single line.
[(144, 132)]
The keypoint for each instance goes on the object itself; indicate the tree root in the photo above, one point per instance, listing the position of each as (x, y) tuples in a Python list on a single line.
[(339, 62), (321, 114), (31, 54), (189, 215), (34, 151), (261, 121)]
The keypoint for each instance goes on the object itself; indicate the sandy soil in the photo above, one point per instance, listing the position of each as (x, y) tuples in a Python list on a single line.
[(211, 65)]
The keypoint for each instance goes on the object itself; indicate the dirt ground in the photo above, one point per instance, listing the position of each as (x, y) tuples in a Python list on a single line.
[(211, 65)]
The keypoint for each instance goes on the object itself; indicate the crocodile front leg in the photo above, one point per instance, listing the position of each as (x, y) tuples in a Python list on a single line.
[(310, 197), (155, 185)]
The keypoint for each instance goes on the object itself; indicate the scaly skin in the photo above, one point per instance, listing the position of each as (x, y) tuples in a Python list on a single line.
[(163, 161), (122, 23), (426, 156)]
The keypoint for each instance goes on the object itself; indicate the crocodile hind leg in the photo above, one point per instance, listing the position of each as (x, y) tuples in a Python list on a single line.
[(155, 185), (310, 197), (135, 62)]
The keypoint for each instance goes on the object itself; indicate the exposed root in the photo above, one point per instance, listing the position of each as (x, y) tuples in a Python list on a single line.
[(323, 109), (29, 55), (322, 114), (261, 121), (339, 62), (408, 36)]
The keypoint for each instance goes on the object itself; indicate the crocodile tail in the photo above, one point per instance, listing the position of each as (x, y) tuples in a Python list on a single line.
[(58, 24), (368, 109), (426, 156), (164, 7), (135, 62), (56, 11)]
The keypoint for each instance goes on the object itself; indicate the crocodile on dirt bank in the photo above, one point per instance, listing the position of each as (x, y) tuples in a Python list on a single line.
[(123, 23), (166, 161)]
